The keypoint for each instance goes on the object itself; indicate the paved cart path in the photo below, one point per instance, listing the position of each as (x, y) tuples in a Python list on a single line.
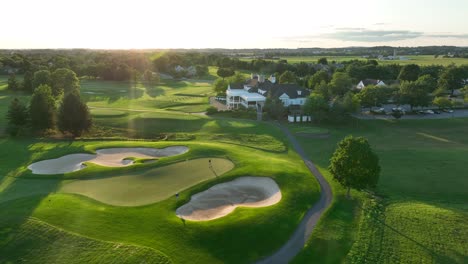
[(302, 234)]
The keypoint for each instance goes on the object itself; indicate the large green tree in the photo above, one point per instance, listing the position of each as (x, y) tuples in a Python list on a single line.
[(340, 84), (274, 107), (317, 106), (42, 109), (74, 115), (220, 86), (225, 72), (318, 78), (28, 82), (64, 81), (13, 83), (409, 72), (17, 117), (287, 77), (373, 96), (415, 93), (354, 164), (450, 79), (41, 77)]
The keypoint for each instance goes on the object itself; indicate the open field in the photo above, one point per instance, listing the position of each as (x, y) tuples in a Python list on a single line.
[(421, 213), (414, 59), (243, 236)]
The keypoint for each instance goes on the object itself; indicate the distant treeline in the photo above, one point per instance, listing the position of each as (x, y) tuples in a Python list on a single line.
[(127, 64)]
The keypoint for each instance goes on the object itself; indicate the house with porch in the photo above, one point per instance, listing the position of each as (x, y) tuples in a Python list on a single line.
[(253, 93)]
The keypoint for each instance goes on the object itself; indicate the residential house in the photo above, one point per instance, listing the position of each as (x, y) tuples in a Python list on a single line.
[(253, 93), (366, 82)]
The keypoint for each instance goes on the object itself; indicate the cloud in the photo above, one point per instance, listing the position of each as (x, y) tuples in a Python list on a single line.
[(381, 24), (368, 35), (449, 35), (356, 34)]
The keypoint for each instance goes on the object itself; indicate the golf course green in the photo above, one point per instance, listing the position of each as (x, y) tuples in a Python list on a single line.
[(149, 186)]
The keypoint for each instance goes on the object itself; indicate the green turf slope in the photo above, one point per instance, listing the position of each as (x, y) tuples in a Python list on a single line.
[(38, 242)]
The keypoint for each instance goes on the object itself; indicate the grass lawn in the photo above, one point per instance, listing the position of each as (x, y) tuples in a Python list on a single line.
[(421, 213), (148, 186), (241, 237)]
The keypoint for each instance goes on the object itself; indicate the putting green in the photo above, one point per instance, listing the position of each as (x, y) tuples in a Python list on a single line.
[(149, 186)]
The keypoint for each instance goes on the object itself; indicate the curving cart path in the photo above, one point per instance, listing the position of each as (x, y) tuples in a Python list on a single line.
[(302, 234)]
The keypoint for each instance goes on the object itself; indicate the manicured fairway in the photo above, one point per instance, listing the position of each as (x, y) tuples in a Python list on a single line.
[(149, 186)]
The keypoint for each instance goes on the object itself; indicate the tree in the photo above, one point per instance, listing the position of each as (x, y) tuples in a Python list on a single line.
[(41, 77), (318, 78), (17, 117), (12, 83), (225, 72), (28, 81), (409, 72), (323, 89), (151, 77), (237, 78), (442, 102), (373, 96), (354, 164), (64, 81), (287, 77), (202, 70), (317, 107), (450, 79), (340, 84), (42, 109), (274, 107), (414, 93), (74, 115), (220, 86), (323, 61)]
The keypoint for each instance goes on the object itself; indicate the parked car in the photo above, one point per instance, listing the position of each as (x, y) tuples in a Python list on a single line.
[(421, 112), (379, 111), (437, 112), (429, 111), (447, 110), (398, 109)]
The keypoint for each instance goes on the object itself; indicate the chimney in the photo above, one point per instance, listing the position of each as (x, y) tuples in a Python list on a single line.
[(272, 79), (261, 78)]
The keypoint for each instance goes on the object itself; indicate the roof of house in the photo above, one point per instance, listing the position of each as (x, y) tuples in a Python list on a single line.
[(370, 82), (273, 89)]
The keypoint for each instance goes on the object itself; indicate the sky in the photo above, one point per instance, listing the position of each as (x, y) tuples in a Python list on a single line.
[(140, 24)]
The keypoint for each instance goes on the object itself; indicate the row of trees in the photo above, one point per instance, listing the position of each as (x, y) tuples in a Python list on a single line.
[(55, 102)]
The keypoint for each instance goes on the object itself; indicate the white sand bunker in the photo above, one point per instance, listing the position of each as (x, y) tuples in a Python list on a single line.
[(221, 199), (111, 157)]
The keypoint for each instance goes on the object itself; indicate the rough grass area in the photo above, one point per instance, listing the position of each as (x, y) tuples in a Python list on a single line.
[(421, 213), (149, 186), (411, 232), (35, 241), (263, 142)]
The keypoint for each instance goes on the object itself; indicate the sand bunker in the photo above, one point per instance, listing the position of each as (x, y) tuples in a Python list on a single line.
[(221, 199), (111, 157)]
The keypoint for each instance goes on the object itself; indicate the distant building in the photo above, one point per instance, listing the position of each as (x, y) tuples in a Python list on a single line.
[(253, 93)]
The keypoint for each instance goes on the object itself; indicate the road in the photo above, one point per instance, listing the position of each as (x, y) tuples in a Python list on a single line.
[(302, 234)]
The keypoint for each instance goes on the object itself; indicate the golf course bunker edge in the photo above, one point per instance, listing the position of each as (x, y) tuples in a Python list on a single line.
[(109, 157), (221, 199)]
